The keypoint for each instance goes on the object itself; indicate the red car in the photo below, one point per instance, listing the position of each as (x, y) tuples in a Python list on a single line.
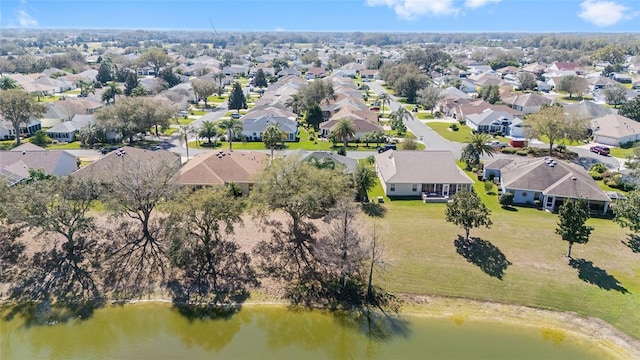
[(599, 149)]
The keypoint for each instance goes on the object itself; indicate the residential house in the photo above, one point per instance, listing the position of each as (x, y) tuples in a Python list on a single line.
[(600, 82), (218, 168), (315, 73), (370, 74), (15, 164), (543, 86), (548, 182), (55, 115), (527, 103), (566, 67), (614, 130), (361, 125), (587, 110), (430, 174), (345, 73), (66, 130), (346, 163), (7, 131), (490, 121), (102, 169), (288, 72), (254, 124), (622, 78)]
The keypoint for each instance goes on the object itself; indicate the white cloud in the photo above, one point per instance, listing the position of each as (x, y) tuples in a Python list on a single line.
[(604, 13), (412, 9), (474, 4), (26, 20)]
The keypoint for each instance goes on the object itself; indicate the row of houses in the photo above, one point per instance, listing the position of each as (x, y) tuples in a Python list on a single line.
[(430, 175)]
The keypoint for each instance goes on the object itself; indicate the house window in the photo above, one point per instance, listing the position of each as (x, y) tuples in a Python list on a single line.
[(414, 188), (392, 187)]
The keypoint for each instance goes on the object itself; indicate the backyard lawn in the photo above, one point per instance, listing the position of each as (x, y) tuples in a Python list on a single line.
[(522, 257)]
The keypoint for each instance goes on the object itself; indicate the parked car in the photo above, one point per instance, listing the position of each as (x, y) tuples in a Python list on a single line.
[(600, 150), (497, 144), (236, 116), (106, 150), (386, 147)]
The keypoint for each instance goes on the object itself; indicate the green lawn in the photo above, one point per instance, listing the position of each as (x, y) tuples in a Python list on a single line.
[(443, 130), (66, 146), (187, 121), (423, 258), (575, 98), (621, 153), (304, 144), (424, 115)]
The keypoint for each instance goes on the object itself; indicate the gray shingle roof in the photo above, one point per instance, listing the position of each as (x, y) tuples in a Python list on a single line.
[(416, 167), (562, 179)]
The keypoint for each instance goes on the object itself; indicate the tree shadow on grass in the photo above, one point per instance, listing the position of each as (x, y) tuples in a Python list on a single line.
[(633, 242), (509, 208), (374, 210), (591, 274), (483, 254)]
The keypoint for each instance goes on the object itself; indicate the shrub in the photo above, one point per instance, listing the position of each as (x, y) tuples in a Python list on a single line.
[(342, 151), (530, 150), (454, 127), (561, 147), (488, 186), (506, 199), (537, 203), (509, 150), (599, 168), (522, 153), (627, 145)]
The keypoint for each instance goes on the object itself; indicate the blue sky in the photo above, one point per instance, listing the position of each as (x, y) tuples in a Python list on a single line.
[(329, 15)]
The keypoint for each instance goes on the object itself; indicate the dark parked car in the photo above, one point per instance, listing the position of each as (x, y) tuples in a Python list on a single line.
[(384, 148), (601, 150), (106, 150)]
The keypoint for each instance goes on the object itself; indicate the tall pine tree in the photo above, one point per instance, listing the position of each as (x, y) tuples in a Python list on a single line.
[(237, 100)]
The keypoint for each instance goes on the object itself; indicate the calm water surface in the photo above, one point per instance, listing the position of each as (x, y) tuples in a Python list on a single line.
[(156, 331)]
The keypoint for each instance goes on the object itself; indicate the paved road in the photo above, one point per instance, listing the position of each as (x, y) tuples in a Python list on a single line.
[(434, 141)]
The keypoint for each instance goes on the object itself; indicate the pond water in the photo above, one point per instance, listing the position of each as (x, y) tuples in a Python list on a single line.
[(157, 331)]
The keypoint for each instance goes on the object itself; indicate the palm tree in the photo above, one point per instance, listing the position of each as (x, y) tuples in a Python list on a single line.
[(477, 146), (384, 98), (110, 92), (7, 83), (85, 87), (345, 129), (401, 114), (480, 142), (232, 127), (88, 135), (185, 131), (208, 130), (294, 102), (271, 136)]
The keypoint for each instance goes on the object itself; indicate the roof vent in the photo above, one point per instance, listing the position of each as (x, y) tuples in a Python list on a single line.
[(574, 178)]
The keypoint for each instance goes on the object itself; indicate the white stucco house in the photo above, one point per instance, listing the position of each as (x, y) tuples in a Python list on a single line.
[(431, 175)]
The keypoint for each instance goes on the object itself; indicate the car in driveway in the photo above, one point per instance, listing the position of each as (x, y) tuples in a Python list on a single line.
[(600, 150), (386, 147)]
